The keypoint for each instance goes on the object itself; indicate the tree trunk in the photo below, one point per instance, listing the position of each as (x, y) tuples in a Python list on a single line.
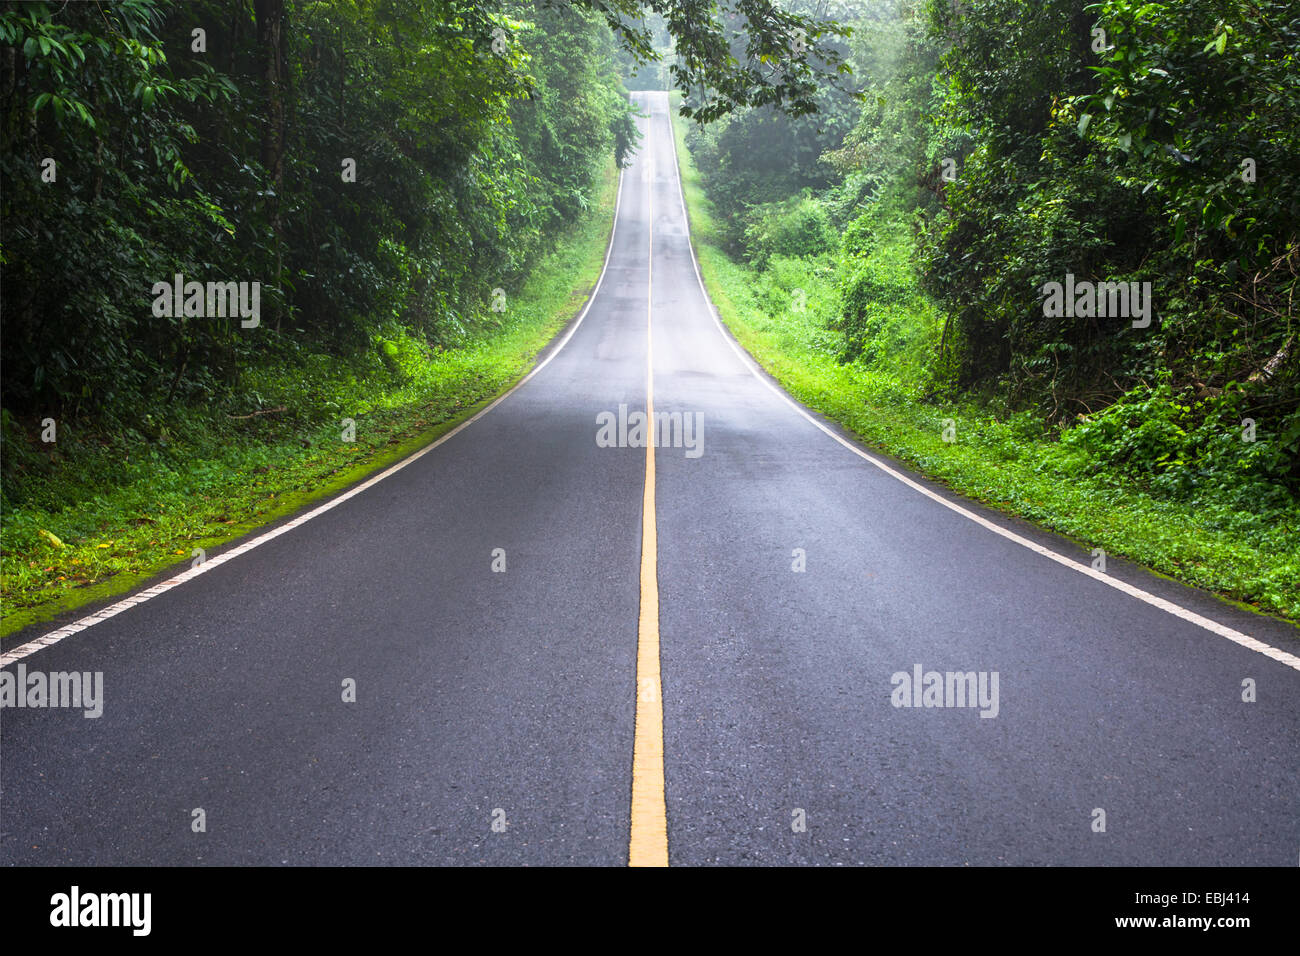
[(271, 42)]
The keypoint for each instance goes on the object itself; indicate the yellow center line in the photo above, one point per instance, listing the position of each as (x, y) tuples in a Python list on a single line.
[(648, 845)]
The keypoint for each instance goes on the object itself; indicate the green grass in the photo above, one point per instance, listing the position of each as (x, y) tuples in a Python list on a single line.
[(124, 508), (1005, 460)]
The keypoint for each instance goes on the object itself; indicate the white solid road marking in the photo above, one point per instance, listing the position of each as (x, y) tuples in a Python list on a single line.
[(53, 637), (1245, 640)]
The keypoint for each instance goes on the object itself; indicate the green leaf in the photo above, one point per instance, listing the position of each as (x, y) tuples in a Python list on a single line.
[(1084, 122)]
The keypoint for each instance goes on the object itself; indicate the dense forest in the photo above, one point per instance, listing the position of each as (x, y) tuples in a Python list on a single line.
[(1003, 155), (380, 168), (379, 171), (1020, 143)]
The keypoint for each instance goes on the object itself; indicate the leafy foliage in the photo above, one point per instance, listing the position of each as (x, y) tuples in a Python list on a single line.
[(227, 163), (999, 145)]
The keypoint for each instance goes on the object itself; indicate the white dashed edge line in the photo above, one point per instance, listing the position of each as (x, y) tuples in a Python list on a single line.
[(53, 637), (1214, 627)]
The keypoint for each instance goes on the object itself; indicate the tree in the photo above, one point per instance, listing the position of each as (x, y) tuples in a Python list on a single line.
[(735, 53)]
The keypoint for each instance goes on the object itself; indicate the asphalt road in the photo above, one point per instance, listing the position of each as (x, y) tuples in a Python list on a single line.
[(497, 712)]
